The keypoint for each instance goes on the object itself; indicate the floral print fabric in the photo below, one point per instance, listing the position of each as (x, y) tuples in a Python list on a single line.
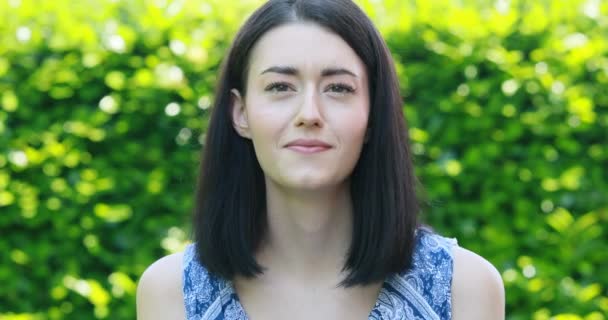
[(421, 293)]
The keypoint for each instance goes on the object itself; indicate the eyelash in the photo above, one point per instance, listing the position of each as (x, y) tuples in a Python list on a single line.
[(342, 86), (272, 86)]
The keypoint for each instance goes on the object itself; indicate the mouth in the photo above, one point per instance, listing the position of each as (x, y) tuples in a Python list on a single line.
[(308, 146), (307, 150)]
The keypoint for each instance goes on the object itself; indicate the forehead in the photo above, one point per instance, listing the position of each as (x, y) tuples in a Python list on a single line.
[(304, 46)]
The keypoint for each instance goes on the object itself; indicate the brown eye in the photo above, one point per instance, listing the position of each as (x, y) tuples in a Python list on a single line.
[(340, 88), (277, 87)]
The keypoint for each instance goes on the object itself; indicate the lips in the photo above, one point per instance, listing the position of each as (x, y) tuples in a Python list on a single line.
[(308, 145)]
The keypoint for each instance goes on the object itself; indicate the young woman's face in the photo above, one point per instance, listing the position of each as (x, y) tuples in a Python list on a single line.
[(306, 106)]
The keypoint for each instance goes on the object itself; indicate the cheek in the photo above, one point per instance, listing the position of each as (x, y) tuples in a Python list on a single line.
[(263, 122), (354, 128), (354, 137), (265, 125)]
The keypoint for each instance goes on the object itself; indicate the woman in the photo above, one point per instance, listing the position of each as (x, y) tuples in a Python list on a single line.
[(306, 205)]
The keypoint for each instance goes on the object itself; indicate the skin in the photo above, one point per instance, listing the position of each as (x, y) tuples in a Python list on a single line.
[(306, 82), (309, 206)]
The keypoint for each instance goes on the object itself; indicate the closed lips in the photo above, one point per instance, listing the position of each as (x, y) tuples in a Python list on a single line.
[(308, 143)]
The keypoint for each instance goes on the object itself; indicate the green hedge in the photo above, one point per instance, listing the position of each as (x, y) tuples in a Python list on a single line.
[(103, 105)]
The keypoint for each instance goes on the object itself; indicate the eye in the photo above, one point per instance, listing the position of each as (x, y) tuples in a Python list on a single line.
[(340, 88), (277, 87)]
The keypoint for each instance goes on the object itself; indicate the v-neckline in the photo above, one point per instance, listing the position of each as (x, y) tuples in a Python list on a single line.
[(234, 296)]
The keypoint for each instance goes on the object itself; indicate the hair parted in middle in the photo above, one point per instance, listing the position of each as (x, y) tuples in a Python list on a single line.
[(229, 218)]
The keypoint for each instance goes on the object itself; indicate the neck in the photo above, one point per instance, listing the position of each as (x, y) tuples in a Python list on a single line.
[(309, 232)]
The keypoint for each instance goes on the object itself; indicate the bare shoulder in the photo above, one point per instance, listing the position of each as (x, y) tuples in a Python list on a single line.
[(477, 288), (159, 291)]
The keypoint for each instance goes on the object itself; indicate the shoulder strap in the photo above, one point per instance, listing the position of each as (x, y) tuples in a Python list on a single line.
[(200, 288), (424, 290), (433, 268)]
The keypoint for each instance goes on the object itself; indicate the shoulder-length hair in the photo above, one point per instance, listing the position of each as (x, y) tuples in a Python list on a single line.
[(230, 219)]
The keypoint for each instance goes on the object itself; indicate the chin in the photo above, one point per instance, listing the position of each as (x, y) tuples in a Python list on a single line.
[(310, 183)]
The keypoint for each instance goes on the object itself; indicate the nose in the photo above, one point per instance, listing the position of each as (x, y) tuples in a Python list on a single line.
[(309, 113)]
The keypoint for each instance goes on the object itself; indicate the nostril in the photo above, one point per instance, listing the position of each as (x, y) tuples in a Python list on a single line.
[(310, 123)]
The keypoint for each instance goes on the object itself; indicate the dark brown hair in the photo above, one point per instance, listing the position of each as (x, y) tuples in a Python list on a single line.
[(229, 218)]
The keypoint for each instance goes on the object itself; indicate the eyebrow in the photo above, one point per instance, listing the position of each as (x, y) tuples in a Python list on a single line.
[(291, 71)]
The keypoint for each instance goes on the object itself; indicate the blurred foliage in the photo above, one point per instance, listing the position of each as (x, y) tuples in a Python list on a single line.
[(104, 107)]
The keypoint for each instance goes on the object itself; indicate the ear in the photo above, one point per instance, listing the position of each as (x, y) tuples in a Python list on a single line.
[(239, 114)]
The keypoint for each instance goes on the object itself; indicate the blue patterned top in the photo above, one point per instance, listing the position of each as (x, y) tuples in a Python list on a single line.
[(422, 293)]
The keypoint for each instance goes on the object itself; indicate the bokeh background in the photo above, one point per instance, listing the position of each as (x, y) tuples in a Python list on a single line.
[(104, 107)]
